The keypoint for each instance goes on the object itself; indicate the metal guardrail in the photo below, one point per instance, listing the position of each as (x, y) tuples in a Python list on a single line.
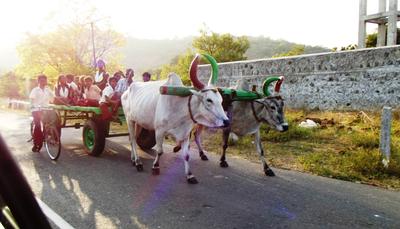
[(18, 104)]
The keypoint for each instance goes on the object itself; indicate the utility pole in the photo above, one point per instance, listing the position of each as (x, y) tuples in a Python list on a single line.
[(94, 48), (93, 45)]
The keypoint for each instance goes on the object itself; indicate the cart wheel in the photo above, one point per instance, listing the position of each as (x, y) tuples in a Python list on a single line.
[(52, 142), (93, 137), (146, 139)]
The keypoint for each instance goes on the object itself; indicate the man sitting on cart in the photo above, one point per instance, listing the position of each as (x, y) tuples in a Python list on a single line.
[(111, 99), (40, 97)]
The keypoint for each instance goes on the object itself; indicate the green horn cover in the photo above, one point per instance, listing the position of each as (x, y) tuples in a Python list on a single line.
[(266, 84), (214, 66)]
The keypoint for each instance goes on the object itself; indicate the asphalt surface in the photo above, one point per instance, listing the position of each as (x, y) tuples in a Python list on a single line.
[(107, 192)]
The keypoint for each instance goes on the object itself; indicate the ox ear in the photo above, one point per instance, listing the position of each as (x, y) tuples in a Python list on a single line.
[(196, 93)]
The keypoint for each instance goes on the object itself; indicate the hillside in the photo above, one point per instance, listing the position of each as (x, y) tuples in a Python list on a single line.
[(143, 55)]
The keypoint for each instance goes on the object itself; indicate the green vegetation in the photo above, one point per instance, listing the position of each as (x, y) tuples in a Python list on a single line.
[(372, 39), (223, 47), (345, 147), (296, 50)]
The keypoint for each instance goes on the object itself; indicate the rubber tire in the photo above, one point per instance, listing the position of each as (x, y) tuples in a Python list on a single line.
[(96, 143), (146, 139)]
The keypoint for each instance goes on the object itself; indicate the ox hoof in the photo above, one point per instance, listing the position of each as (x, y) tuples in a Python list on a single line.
[(269, 172), (203, 157), (192, 180), (224, 164), (155, 171), (139, 167)]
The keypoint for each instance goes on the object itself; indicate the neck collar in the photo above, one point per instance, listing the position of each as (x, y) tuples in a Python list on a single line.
[(255, 114)]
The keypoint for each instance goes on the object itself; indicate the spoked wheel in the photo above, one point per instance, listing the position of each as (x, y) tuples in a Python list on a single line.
[(52, 142)]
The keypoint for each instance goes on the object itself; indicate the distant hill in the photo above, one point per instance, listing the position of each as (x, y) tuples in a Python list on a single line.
[(265, 47), (143, 54)]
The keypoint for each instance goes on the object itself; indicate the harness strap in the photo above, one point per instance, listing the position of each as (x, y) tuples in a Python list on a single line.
[(190, 109), (254, 112)]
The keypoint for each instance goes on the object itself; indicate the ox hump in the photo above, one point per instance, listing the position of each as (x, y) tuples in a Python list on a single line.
[(174, 80), (242, 84)]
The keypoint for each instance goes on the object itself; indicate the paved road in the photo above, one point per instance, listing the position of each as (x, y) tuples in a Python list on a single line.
[(107, 192)]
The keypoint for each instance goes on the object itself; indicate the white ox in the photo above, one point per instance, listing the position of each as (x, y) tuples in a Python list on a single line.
[(166, 114)]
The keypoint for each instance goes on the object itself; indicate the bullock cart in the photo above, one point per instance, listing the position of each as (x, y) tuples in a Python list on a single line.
[(94, 129)]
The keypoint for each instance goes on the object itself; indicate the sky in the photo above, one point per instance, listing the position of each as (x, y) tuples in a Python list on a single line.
[(328, 23)]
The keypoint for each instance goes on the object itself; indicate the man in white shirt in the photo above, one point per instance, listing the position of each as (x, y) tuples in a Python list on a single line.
[(40, 97), (124, 83), (108, 99)]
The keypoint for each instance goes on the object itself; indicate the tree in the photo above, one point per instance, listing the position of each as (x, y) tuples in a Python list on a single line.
[(223, 47), (9, 86), (67, 50), (372, 39), (348, 47), (180, 65), (296, 50)]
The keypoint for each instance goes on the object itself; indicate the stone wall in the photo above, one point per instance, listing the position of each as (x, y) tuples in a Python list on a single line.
[(349, 80)]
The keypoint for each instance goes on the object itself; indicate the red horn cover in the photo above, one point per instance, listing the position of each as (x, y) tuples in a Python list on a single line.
[(193, 73)]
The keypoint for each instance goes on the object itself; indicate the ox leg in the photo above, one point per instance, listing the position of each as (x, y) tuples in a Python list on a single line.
[(134, 155), (225, 137), (197, 139), (267, 170), (159, 143), (186, 157)]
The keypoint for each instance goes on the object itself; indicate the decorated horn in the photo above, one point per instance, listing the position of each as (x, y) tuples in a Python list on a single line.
[(193, 71), (279, 84), (268, 81), (214, 68)]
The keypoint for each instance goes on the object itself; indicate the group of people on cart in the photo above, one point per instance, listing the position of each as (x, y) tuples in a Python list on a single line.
[(100, 91)]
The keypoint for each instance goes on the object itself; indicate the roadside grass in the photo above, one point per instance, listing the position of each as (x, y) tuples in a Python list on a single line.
[(346, 146)]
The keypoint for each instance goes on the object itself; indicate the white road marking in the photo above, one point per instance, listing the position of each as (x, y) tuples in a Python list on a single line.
[(54, 217)]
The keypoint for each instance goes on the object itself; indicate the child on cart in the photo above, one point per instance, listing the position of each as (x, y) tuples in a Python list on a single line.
[(63, 92), (91, 93), (110, 99)]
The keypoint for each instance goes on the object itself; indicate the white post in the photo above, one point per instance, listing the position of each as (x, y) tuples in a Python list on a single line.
[(386, 122), (362, 24), (381, 27), (392, 23)]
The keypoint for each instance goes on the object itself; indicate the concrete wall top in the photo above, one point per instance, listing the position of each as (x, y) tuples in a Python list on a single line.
[(363, 78)]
